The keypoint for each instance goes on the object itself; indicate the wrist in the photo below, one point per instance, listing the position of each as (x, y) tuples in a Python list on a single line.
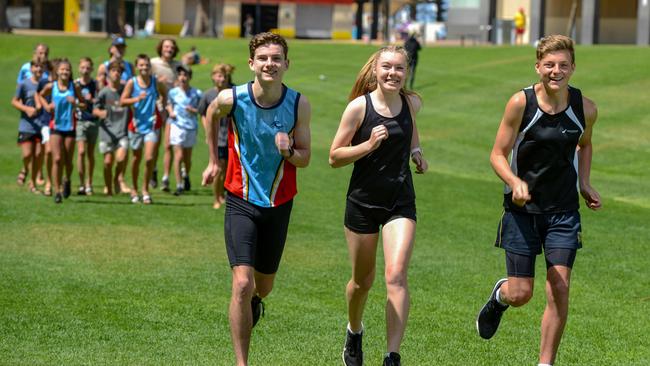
[(292, 151), (416, 150)]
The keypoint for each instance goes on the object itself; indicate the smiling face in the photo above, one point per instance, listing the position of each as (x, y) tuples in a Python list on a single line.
[(64, 71), (269, 63), (219, 80), (167, 50), (390, 71), (555, 69), (144, 66), (85, 68)]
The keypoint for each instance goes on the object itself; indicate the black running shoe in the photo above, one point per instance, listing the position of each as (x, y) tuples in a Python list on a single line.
[(81, 191), (392, 359), (58, 198), (153, 182), (258, 308), (179, 191), (66, 189), (352, 352), (164, 184), (186, 183), (489, 317)]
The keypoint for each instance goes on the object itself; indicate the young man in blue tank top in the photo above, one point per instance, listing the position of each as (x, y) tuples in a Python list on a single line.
[(547, 128), (141, 92), (269, 138)]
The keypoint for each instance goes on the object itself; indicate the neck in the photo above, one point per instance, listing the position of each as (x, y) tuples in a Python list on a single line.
[(267, 94), (114, 84), (85, 78), (554, 97)]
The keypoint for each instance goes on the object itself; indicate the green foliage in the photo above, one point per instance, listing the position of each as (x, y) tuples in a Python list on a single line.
[(99, 281)]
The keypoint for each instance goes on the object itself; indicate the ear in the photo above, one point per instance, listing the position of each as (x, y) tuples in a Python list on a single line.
[(287, 63), (250, 64)]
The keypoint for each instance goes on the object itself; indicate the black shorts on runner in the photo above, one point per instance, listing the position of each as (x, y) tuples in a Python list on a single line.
[(72, 133), (255, 235), (27, 137), (526, 234), (222, 153), (518, 265), (364, 220)]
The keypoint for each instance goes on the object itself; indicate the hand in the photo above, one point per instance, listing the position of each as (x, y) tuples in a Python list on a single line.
[(143, 94), (210, 173), (70, 99), (377, 135), (31, 112), (283, 143), (592, 198), (421, 164), (520, 194)]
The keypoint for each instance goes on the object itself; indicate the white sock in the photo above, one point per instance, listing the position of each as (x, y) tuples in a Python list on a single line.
[(359, 332), (499, 297), (165, 177), (544, 364)]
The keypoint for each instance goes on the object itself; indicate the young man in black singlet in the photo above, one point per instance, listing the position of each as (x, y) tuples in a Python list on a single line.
[(548, 128)]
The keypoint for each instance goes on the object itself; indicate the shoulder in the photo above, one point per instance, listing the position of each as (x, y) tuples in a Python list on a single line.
[(415, 101), (357, 106), (225, 97), (517, 101)]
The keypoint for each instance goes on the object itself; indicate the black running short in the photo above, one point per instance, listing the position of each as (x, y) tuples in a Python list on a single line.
[(518, 265), (29, 137), (365, 220), (255, 235), (72, 133)]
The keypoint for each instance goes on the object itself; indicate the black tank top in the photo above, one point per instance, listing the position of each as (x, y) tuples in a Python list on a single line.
[(544, 155), (382, 179)]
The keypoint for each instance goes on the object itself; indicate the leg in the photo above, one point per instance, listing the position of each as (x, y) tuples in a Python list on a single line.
[(178, 157), (398, 237), (56, 144), (187, 159), (363, 251), (135, 171), (240, 313), (68, 143), (81, 164), (556, 312), (108, 173), (150, 162), (167, 154), (48, 167), (27, 150), (39, 151), (91, 164), (121, 160)]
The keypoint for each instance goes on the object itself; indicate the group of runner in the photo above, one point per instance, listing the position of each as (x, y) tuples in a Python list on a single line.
[(126, 107), (546, 128)]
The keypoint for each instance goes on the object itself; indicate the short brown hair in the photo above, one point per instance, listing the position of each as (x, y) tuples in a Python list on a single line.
[(265, 38), (116, 65), (86, 59), (160, 46), (553, 43)]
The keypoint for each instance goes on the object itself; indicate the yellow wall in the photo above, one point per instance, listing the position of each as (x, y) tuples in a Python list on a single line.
[(231, 19), (71, 16), (286, 20), (170, 16), (342, 21)]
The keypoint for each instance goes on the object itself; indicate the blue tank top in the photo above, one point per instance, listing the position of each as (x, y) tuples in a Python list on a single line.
[(257, 172), (63, 113), (126, 74), (144, 111)]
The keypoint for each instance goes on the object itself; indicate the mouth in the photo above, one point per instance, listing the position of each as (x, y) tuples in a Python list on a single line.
[(556, 79)]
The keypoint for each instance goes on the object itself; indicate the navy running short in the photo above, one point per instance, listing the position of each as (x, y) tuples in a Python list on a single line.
[(365, 220), (518, 265), (255, 235), (27, 136), (526, 234)]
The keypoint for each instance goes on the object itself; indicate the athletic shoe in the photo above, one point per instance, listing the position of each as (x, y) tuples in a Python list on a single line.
[(352, 352), (179, 191), (153, 182), (58, 198), (489, 317), (258, 308), (81, 191), (186, 183), (164, 184), (66, 189), (392, 359)]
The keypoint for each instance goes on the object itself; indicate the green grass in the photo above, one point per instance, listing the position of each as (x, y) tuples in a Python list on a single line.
[(99, 281)]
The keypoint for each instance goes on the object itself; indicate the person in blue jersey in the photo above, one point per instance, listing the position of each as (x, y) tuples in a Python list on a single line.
[(41, 53), (183, 104), (269, 138), (378, 134), (116, 53), (87, 127), (29, 130), (547, 129), (141, 92), (65, 97)]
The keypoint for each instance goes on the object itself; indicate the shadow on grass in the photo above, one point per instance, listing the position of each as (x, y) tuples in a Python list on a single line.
[(128, 203)]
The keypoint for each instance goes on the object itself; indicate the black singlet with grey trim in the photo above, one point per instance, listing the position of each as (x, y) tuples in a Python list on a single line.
[(382, 179), (544, 155)]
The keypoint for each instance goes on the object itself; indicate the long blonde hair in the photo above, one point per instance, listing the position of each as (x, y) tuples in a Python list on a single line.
[(367, 80)]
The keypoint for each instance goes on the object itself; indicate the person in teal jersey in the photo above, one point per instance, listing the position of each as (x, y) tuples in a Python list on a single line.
[(29, 130), (268, 140), (41, 53), (183, 114), (65, 97), (141, 92), (116, 52)]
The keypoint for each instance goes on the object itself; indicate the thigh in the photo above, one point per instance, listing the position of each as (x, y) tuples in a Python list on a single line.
[(273, 228), (517, 233), (136, 140), (240, 231), (362, 249), (519, 265), (398, 236)]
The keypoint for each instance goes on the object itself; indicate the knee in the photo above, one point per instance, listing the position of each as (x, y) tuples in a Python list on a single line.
[(363, 284), (395, 277), (559, 288), (519, 296), (243, 288)]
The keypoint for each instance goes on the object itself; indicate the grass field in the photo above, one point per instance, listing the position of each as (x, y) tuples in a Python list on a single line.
[(99, 281)]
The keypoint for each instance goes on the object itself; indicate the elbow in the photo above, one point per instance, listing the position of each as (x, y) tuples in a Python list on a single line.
[(335, 163)]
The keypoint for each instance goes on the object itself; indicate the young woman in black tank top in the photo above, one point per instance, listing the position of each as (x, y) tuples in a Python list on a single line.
[(378, 134), (542, 126)]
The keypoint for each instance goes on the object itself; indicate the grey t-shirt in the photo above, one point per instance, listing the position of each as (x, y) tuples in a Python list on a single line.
[(25, 92), (207, 98), (114, 126)]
